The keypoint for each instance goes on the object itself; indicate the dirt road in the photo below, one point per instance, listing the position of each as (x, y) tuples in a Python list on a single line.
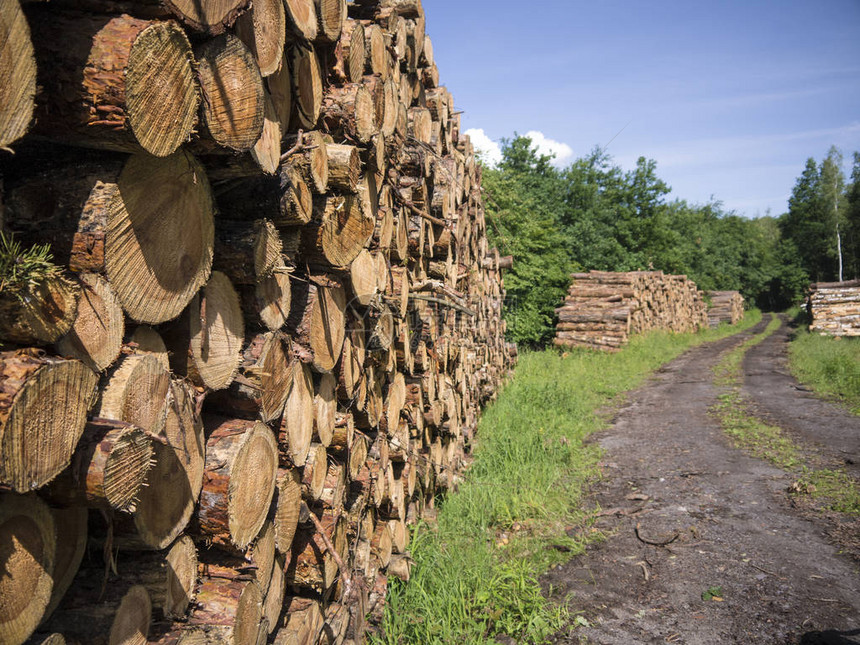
[(703, 545)]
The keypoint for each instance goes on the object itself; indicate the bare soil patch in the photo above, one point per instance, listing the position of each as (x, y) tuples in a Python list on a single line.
[(702, 542)]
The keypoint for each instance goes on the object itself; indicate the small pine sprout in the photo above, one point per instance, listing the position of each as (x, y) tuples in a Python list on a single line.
[(21, 270)]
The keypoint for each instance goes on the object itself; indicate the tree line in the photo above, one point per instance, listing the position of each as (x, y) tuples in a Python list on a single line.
[(595, 215)]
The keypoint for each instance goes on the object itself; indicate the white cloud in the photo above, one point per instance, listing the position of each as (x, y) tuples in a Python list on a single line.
[(547, 146), (489, 151)]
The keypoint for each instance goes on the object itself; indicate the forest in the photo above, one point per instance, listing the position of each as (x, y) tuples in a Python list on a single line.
[(593, 214)]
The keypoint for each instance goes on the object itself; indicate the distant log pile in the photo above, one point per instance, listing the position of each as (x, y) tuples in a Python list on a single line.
[(603, 309), (276, 320), (726, 307), (834, 308)]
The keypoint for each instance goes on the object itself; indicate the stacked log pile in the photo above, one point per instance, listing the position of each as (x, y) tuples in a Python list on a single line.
[(834, 308), (603, 309), (275, 320), (725, 307)]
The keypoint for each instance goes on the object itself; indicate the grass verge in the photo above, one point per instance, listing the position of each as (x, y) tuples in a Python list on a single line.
[(834, 489), (476, 570), (828, 365)]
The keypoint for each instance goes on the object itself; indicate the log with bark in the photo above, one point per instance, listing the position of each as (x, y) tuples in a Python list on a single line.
[(145, 222), (166, 503), (238, 481), (228, 611), (317, 322), (349, 113), (114, 82), (108, 468), (311, 565), (38, 312)]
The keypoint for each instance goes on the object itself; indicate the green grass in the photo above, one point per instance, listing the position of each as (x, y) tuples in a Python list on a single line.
[(756, 437), (834, 487), (728, 370), (476, 570), (828, 365), (746, 431)]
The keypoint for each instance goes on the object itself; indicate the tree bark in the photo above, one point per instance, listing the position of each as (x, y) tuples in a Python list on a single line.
[(114, 82), (108, 468), (238, 482), (229, 611), (316, 322)]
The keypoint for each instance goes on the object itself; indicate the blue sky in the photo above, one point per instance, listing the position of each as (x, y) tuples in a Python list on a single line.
[(729, 97)]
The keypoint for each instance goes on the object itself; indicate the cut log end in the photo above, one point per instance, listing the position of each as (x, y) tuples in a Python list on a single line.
[(160, 236), (160, 80), (234, 105), (217, 332), (18, 68), (28, 536), (43, 408), (96, 335)]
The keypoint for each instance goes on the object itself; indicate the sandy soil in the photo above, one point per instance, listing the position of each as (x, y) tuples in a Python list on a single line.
[(685, 513)]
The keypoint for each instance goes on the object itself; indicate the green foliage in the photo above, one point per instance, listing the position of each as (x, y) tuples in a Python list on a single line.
[(594, 215), (476, 571), (830, 366), (823, 219), (21, 269)]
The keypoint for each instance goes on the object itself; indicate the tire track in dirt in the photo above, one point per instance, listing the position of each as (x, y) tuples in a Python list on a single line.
[(671, 473), (781, 401)]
